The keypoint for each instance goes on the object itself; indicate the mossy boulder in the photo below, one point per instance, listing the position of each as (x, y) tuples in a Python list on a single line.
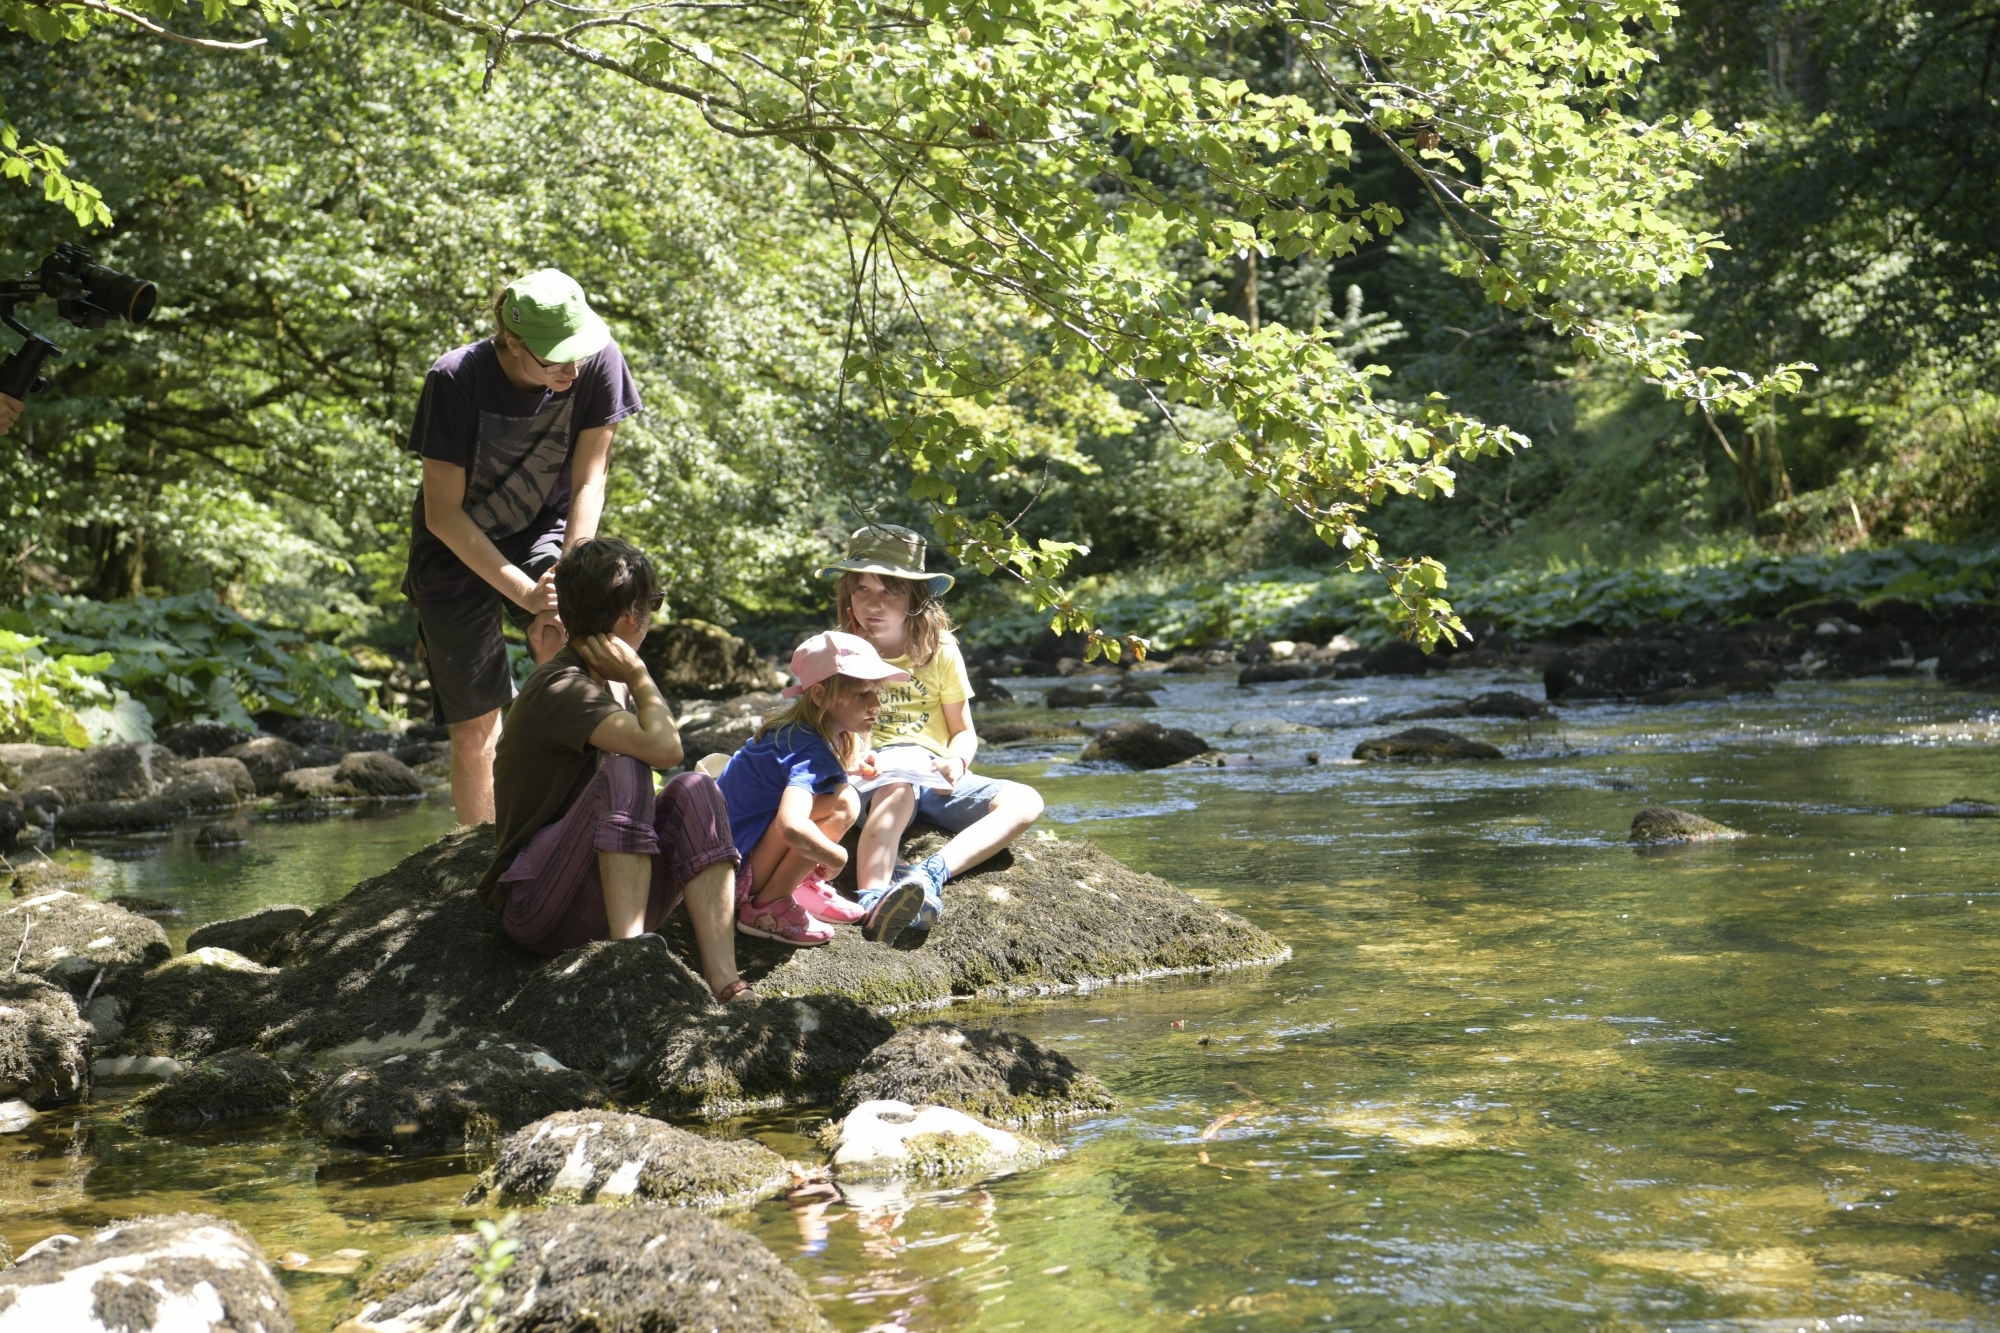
[(86, 947), (600, 1007), (1425, 743), (228, 1086), (185, 1272), (44, 1044), (744, 1055), (474, 1089), (610, 1157), (205, 1001), (693, 659), (1001, 1077), (606, 1270), (258, 936), (890, 1138), (1144, 745), (1663, 823)]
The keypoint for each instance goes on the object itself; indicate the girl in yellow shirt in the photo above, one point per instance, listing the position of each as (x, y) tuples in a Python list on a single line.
[(924, 741)]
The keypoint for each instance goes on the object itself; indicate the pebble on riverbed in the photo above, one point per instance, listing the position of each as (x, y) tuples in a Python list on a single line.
[(610, 1157), (617, 1270), (1662, 823)]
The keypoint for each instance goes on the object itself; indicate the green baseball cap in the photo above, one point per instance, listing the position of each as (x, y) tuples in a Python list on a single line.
[(546, 310)]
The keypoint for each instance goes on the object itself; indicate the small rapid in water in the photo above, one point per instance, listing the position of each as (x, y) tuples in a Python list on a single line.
[(1518, 1073)]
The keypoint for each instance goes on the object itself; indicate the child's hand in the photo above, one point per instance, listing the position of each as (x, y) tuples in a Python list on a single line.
[(952, 767), (868, 768)]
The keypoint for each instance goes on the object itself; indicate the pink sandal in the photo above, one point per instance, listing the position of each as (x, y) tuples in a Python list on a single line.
[(819, 900), (784, 921)]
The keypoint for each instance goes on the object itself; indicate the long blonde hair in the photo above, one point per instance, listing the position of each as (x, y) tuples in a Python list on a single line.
[(810, 710), (927, 626)]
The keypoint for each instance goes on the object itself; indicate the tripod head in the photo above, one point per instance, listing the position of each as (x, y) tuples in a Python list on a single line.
[(86, 294)]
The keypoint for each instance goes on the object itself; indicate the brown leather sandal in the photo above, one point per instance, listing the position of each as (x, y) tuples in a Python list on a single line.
[(735, 990)]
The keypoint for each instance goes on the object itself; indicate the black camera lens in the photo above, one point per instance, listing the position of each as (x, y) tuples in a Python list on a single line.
[(127, 298), (88, 295)]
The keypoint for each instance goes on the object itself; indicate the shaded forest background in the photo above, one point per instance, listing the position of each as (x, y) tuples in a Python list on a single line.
[(325, 219)]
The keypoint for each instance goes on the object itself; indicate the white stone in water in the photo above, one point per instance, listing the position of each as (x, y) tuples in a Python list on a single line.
[(71, 1302), (16, 1115), (875, 1137), (135, 1068), (228, 960)]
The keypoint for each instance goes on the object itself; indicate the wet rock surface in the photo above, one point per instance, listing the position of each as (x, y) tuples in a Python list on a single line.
[(599, 1007), (1420, 743), (1015, 733), (258, 935), (378, 775), (744, 1055), (612, 1157), (86, 947), (199, 740), (890, 1138), (194, 791), (1964, 807), (207, 1000), (472, 1089), (1001, 1077), (268, 759), (1662, 823), (234, 772), (1045, 915), (405, 960), (228, 1086), (175, 1274), (1494, 703), (606, 1270), (44, 1044), (104, 773), (1144, 745)]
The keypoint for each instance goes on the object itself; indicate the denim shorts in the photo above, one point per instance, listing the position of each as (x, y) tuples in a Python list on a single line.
[(960, 808)]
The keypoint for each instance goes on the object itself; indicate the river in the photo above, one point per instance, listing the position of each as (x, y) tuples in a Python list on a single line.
[(1518, 1074)]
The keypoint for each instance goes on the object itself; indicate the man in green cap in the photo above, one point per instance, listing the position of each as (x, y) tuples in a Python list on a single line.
[(515, 433)]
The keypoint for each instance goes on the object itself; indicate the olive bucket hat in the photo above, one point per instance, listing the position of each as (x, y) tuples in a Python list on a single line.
[(883, 548), (546, 310)]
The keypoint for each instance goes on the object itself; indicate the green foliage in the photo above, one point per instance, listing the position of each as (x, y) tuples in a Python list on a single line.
[(1303, 604), (60, 700), (492, 1258), (189, 657)]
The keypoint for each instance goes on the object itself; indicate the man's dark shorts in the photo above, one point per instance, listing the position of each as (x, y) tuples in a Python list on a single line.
[(465, 651)]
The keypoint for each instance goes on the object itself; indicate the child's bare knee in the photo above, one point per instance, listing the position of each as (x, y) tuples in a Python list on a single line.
[(846, 808)]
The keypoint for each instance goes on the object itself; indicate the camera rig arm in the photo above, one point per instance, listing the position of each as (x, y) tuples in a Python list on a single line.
[(21, 373)]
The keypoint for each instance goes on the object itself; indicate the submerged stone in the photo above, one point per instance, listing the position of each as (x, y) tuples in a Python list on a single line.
[(1661, 823), (1002, 1077), (605, 1270), (173, 1274), (228, 1086), (889, 1138), (611, 1157), (473, 1089), (1964, 807), (1425, 743), (44, 1044)]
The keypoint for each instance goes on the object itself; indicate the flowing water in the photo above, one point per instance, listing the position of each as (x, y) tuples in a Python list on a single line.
[(1517, 1074)]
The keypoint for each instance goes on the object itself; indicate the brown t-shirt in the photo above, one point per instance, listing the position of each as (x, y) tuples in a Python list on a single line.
[(544, 758)]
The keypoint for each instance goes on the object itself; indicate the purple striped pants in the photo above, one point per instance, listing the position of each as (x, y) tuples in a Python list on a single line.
[(555, 900)]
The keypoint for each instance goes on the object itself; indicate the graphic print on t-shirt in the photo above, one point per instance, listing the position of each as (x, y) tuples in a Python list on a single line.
[(906, 714), (519, 461)]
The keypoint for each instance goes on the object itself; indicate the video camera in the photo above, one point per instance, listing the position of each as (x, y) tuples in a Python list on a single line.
[(86, 294)]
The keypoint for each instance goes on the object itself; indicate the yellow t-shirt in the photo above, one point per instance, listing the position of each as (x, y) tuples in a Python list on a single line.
[(913, 711)]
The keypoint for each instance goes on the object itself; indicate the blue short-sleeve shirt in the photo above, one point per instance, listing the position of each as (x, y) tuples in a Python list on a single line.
[(759, 773)]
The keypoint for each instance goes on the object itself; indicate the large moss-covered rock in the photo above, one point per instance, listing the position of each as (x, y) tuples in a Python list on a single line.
[(268, 759), (193, 792), (611, 1157), (258, 936), (199, 740), (475, 1088), (1145, 745), (1047, 915), (744, 1055), (44, 1044), (205, 1001), (1001, 1077), (1663, 823), (104, 773), (404, 961), (580, 1269), (378, 775), (228, 1086), (1422, 743), (180, 1274), (693, 659), (599, 1007), (86, 947)]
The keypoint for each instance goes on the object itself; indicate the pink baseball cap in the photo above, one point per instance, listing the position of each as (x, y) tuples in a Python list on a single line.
[(824, 656)]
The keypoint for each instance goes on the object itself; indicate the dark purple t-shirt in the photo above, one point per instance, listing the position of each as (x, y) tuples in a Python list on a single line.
[(515, 445)]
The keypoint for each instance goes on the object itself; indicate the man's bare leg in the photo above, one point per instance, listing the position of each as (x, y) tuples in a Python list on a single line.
[(627, 878), (711, 907), (472, 745)]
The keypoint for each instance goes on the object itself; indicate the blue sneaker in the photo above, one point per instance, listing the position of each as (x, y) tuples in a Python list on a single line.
[(919, 929), (895, 908)]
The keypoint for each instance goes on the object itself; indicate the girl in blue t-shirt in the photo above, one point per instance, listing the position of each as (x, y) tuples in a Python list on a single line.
[(789, 796)]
